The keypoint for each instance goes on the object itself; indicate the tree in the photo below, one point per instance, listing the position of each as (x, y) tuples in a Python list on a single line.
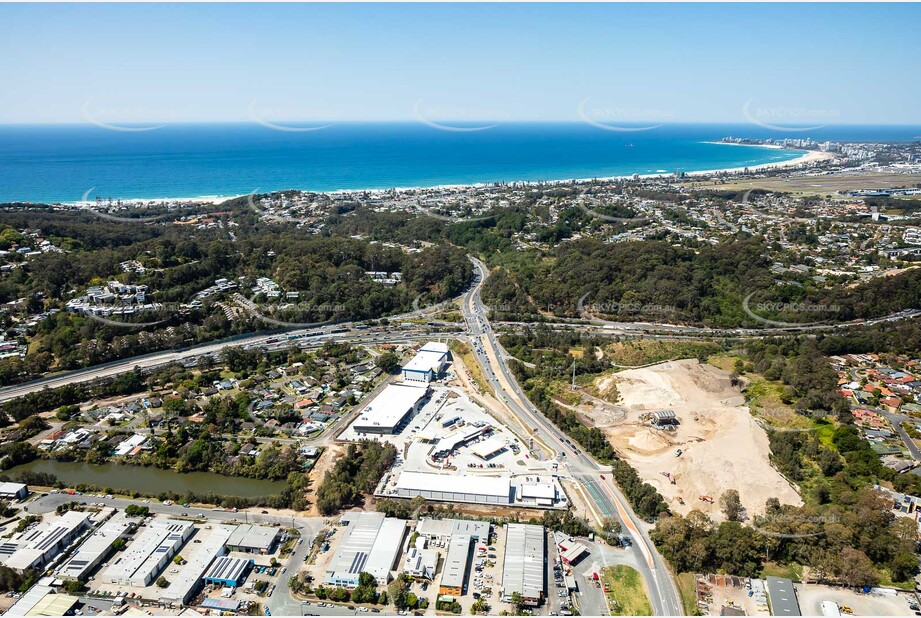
[(480, 606), (731, 505), (388, 362), (162, 582), (119, 544)]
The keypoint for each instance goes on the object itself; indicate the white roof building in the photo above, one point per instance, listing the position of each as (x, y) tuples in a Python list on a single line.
[(47, 540), (95, 548), (388, 411), (371, 543), (429, 361), (524, 564), (456, 488), (184, 583), (148, 553)]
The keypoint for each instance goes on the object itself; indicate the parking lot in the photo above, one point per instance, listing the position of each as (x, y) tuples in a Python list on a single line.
[(811, 596)]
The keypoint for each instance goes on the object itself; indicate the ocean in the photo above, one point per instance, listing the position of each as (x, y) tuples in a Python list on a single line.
[(68, 163)]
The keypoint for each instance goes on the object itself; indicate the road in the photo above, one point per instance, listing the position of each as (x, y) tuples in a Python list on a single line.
[(607, 498)]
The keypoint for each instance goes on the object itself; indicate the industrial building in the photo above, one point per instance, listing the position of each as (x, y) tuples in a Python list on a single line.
[(187, 581), (427, 364), (541, 494), (389, 412), (227, 571), (48, 539), (371, 543), (444, 529), (13, 491), (524, 566), (95, 548), (421, 563), (782, 597), (149, 553), (42, 600), (252, 539), (456, 488), (457, 565)]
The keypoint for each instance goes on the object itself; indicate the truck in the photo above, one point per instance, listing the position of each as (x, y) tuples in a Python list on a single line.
[(830, 608)]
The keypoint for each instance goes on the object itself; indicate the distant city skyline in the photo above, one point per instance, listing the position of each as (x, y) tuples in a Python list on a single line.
[(620, 64)]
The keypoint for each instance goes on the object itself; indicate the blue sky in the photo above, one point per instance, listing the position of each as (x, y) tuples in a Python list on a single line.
[(791, 64)]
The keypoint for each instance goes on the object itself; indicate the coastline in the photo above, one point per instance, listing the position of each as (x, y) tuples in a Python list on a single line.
[(807, 156)]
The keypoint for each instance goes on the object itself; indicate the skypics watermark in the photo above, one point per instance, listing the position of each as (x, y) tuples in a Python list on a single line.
[(458, 119), (622, 119), (126, 119), (621, 308), (802, 307), (789, 525), (278, 118), (789, 119)]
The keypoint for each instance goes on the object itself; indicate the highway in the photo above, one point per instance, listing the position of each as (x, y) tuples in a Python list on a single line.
[(607, 499)]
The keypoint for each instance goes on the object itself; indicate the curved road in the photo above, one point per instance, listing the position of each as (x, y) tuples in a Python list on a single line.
[(607, 498)]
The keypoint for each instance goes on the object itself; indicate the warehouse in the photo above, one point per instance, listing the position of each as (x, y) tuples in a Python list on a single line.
[(47, 540), (227, 571), (95, 548), (455, 488), (371, 543), (251, 539), (187, 581), (13, 491), (541, 494), (457, 565), (42, 600), (782, 597), (149, 553), (444, 529), (427, 364), (389, 412), (421, 563), (524, 567)]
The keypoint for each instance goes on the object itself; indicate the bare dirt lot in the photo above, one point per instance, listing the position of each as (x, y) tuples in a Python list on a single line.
[(722, 445), (810, 598)]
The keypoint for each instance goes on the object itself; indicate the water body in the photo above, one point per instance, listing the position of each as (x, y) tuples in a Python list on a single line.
[(150, 480), (60, 163)]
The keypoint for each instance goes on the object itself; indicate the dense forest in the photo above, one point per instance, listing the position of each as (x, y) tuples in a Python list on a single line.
[(327, 271)]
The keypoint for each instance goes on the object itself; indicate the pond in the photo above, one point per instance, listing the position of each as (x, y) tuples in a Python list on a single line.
[(150, 480)]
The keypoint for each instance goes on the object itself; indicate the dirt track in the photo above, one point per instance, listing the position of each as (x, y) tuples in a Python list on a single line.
[(722, 446)]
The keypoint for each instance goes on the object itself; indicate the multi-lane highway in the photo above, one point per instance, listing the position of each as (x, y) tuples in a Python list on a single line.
[(604, 496)]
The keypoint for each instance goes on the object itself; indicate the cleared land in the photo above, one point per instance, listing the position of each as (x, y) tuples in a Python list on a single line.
[(627, 596), (815, 185), (722, 445)]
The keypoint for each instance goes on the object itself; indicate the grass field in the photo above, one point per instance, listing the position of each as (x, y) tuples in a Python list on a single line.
[(816, 185), (688, 594), (628, 594), (790, 571)]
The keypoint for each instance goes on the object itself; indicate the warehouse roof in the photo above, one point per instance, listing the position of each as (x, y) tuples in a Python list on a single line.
[(371, 544), (182, 583), (428, 358), (458, 483), (782, 596), (489, 447), (391, 406), (94, 547), (252, 536), (523, 569), (227, 568), (455, 568)]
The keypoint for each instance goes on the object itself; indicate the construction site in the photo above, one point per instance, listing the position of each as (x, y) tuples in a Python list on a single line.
[(685, 428)]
